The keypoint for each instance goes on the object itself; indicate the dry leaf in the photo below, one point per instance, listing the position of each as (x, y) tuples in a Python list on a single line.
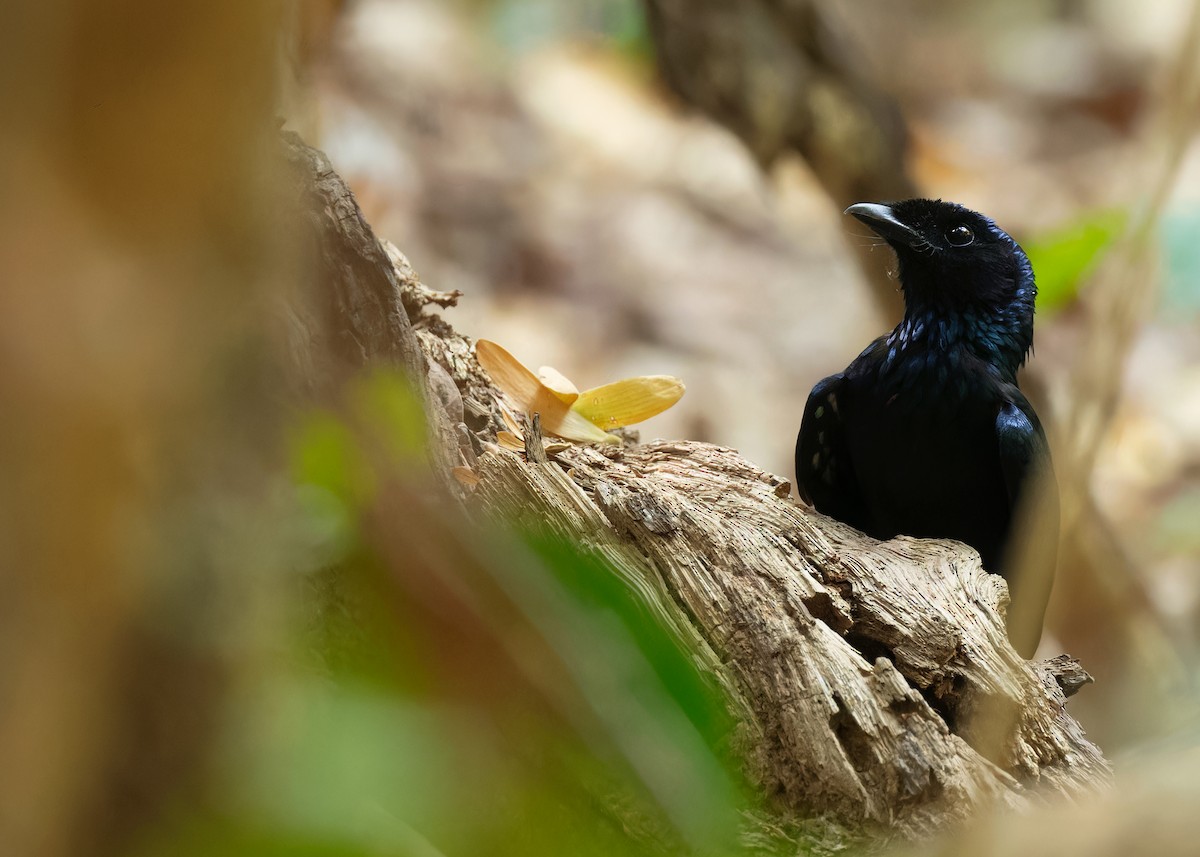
[(535, 397), (510, 420), (630, 401)]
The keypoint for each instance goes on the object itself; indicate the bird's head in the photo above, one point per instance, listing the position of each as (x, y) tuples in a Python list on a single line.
[(954, 262)]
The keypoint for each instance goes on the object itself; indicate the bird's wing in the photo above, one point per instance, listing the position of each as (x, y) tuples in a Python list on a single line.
[(1032, 548), (824, 473), (1022, 444)]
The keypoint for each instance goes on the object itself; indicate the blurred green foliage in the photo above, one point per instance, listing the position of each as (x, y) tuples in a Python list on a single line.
[(325, 456), (668, 721), (1181, 243), (344, 740), (522, 25), (600, 591), (1064, 258), (1175, 529)]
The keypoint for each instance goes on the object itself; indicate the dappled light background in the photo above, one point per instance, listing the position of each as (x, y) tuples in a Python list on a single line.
[(527, 153)]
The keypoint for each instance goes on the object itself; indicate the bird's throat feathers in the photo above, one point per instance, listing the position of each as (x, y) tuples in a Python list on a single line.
[(992, 321), (968, 293)]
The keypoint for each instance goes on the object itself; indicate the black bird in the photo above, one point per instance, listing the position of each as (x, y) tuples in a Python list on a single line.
[(926, 433)]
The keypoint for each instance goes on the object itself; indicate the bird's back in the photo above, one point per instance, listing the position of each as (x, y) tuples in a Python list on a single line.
[(924, 452)]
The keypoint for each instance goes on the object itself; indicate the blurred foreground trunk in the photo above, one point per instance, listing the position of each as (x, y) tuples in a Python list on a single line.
[(137, 255), (871, 681)]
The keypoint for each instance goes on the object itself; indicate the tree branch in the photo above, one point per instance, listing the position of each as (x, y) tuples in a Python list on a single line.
[(871, 681)]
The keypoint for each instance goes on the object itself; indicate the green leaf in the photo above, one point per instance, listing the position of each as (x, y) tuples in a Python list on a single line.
[(340, 762), (325, 454), (393, 413), (668, 719), (1063, 258), (599, 589)]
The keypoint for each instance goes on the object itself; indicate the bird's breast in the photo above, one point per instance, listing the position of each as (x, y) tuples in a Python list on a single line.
[(922, 378), (922, 439)]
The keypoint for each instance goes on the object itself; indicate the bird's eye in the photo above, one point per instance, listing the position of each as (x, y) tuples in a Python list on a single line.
[(960, 236)]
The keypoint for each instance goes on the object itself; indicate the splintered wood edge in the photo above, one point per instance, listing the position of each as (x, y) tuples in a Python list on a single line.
[(839, 645)]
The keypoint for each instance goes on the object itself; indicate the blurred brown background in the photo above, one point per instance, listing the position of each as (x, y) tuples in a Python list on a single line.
[(527, 153), (212, 632)]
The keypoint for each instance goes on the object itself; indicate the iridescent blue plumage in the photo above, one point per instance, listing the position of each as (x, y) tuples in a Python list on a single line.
[(926, 433)]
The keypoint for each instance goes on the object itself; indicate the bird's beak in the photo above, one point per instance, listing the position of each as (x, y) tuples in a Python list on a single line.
[(883, 222)]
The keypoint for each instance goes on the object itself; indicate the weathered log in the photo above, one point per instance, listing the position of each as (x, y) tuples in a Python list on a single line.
[(872, 670), (872, 681), (358, 318)]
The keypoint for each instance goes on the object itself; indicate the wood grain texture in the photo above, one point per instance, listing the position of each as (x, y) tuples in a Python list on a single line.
[(878, 675), (356, 318)]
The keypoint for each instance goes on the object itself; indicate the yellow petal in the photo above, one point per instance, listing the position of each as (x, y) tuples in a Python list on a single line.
[(573, 426), (534, 397), (629, 401), (559, 384)]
